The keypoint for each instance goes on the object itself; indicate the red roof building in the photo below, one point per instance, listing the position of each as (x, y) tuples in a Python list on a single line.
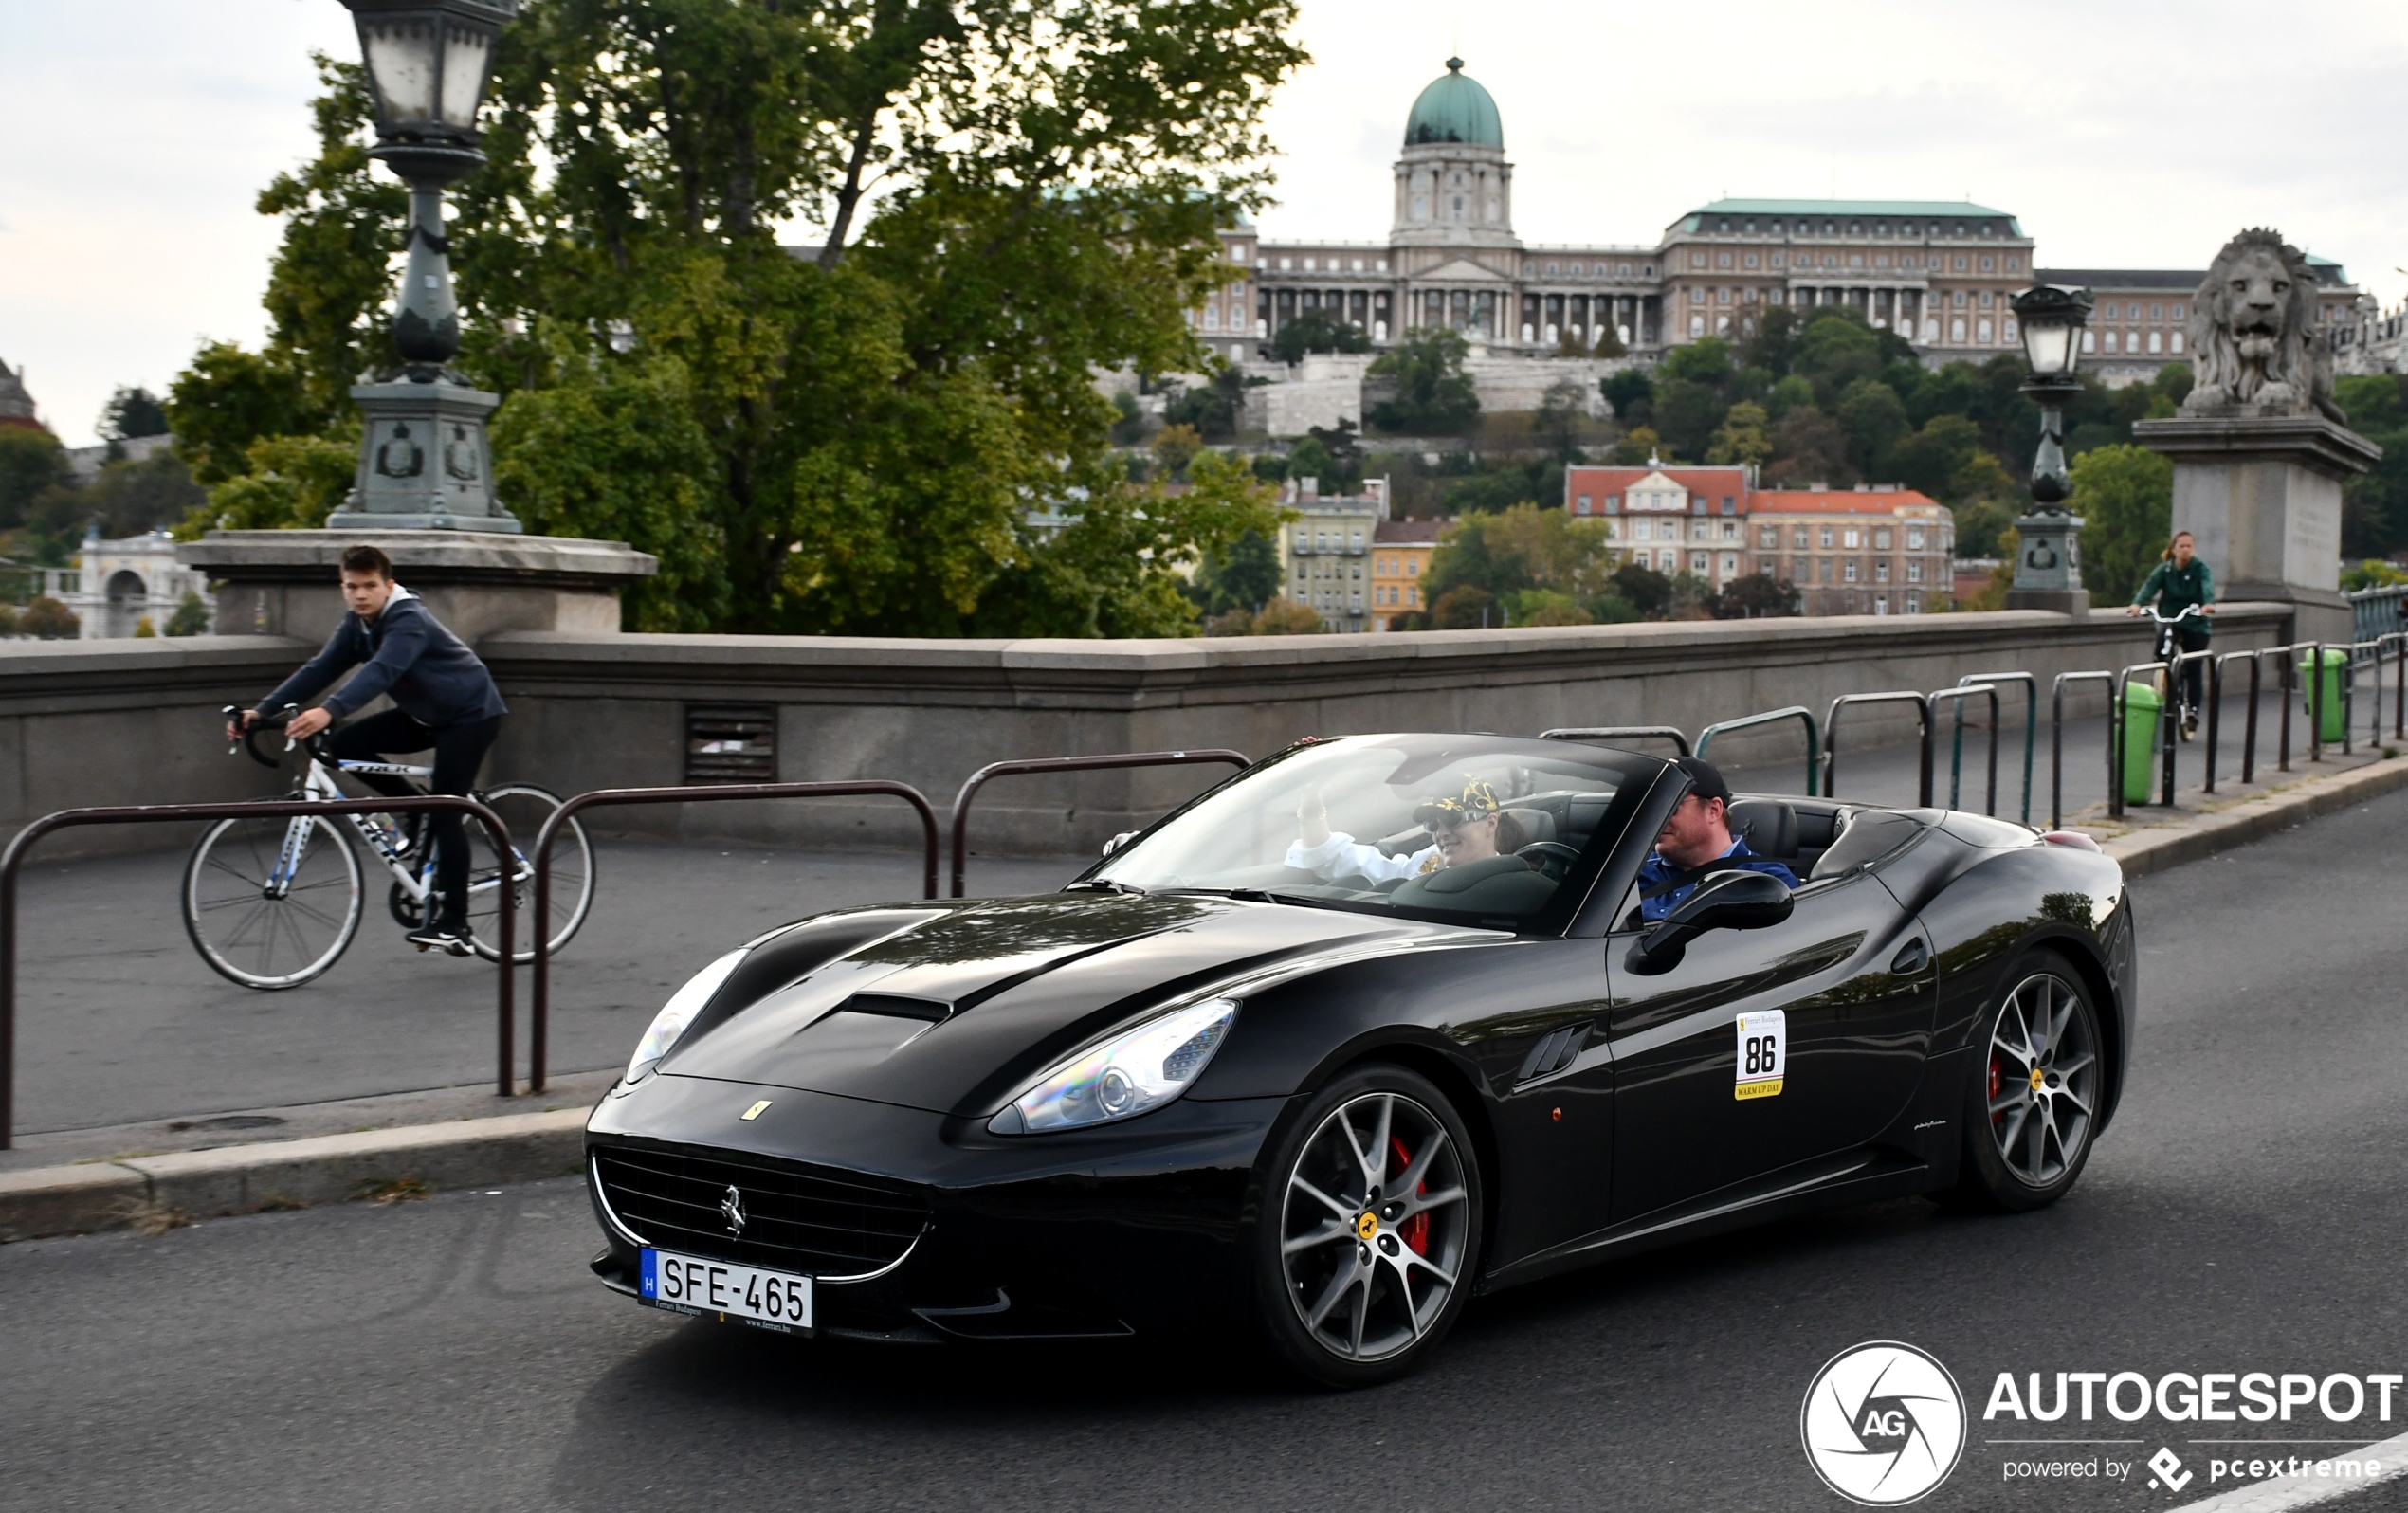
[(16, 405), (1879, 549)]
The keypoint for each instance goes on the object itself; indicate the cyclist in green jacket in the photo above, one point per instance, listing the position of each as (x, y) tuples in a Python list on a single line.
[(2179, 580)]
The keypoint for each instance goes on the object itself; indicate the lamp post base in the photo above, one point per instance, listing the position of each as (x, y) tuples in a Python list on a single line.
[(424, 461), (2048, 564)]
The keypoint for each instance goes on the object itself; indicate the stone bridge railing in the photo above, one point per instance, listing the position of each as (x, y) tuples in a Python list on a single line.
[(111, 722)]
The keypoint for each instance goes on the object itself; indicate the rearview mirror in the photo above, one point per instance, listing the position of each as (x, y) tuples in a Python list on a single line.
[(1735, 900)]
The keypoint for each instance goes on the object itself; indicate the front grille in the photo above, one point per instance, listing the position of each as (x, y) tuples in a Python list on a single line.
[(797, 1217)]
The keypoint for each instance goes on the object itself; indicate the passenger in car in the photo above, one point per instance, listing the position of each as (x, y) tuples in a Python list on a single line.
[(1469, 827), (1697, 835)]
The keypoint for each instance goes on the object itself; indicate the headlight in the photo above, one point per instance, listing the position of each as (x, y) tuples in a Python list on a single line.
[(679, 1012), (1134, 1072)]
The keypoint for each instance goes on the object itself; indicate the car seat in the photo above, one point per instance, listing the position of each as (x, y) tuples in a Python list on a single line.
[(1768, 825)]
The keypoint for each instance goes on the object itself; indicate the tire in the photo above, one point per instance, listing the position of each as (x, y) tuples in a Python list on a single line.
[(1348, 1295), (524, 808), (2033, 1093), (267, 941)]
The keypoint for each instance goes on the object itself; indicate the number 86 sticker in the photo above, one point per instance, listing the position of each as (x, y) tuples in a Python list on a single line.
[(1763, 1054)]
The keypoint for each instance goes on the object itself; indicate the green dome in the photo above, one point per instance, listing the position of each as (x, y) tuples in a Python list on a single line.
[(1454, 109)]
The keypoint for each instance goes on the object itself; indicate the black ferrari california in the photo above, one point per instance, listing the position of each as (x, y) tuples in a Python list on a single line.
[(1377, 1024)]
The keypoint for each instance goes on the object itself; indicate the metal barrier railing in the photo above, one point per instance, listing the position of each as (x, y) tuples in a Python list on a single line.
[(1066, 764), (13, 859), (2030, 722), (2169, 725), (540, 1012), (2056, 738), (1957, 698), (1799, 712), (1831, 737), (1669, 733)]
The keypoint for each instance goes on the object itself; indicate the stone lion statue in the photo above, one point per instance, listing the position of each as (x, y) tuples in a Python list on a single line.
[(2256, 345)]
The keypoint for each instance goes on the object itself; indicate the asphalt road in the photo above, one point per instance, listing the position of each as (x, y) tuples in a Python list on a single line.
[(2244, 1214)]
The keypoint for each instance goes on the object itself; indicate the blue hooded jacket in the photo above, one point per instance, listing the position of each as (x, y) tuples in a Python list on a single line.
[(431, 674)]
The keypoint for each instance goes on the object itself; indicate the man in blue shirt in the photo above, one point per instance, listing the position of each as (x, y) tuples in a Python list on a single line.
[(1698, 833), (443, 697)]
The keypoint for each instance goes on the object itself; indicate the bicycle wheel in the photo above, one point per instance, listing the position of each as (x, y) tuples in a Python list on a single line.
[(272, 903), (524, 808)]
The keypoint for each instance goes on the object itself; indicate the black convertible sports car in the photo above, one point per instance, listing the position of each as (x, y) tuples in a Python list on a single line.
[(1371, 1026)]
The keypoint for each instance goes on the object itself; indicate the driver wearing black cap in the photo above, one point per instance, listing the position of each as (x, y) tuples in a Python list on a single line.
[(1696, 842)]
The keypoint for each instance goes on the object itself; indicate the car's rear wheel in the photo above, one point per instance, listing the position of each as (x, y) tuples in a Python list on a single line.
[(1370, 1228), (2038, 1082)]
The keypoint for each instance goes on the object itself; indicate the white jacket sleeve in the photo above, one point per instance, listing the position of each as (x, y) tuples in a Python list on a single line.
[(1338, 856)]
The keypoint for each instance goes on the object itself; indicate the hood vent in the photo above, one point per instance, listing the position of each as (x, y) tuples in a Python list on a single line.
[(896, 1006)]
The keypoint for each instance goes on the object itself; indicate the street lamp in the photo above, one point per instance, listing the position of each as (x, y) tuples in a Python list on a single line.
[(2047, 571), (425, 462)]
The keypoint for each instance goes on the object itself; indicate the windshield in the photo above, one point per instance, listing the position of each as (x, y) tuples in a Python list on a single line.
[(1486, 829)]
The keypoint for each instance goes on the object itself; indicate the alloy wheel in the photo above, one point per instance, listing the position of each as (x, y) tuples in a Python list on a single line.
[(1375, 1227), (2043, 1073)]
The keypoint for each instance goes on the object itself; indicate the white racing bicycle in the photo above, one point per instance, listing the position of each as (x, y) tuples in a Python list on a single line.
[(272, 903)]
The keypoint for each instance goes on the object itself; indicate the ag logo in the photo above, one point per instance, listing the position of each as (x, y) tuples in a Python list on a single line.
[(1883, 1423)]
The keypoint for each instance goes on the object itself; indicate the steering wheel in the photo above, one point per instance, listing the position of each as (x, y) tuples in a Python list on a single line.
[(1553, 857)]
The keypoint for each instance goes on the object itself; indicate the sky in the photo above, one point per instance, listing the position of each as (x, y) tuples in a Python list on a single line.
[(134, 135)]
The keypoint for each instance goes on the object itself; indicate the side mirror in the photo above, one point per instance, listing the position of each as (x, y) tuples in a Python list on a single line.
[(1118, 841), (1735, 900)]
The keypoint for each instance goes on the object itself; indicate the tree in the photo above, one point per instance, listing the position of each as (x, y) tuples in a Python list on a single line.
[(30, 462), (885, 421), (191, 617), (1809, 449), (293, 483), (1213, 408), (1981, 524), (230, 399), (1282, 618), (1688, 413), (1317, 331), (1637, 446), (1755, 597), (1464, 608), (1627, 389), (1562, 411), (1743, 437), (1873, 420), (1175, 447), (1930, 458), (1432, 398), (2125, 498), (49, 619), (1645, 590), (131, 414), (1240, 578), (2375, 504)]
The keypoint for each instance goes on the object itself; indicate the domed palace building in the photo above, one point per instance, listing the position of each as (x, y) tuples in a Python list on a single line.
[(1936, 272)]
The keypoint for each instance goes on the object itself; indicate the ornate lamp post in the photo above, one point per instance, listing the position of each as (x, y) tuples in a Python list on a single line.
[(2047, 572), (425, 462)]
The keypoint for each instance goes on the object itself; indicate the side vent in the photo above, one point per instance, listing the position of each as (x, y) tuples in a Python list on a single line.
[(896, 1006), (1555, 1050), (731, 743)]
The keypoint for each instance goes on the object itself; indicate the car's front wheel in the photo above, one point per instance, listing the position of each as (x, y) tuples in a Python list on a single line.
[(2037, 1089), (1370, 1228)]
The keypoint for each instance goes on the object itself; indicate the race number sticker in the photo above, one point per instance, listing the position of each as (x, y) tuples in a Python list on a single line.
[(1763, 1053)]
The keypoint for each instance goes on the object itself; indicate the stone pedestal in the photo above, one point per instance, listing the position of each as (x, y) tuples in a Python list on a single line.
[(2262, 495), (2048, 565), (476, 582), (425, 463)]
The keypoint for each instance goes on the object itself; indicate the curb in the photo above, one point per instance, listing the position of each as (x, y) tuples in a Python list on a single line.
[(186, 1185), (2158, 847)]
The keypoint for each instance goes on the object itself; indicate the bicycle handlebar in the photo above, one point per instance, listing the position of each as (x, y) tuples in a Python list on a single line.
[(2176, 619), (268, 720)]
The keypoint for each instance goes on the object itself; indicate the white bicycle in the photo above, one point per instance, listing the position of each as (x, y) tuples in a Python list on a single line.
[(272, 903)]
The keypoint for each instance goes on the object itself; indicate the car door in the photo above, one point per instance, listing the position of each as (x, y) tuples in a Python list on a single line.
[(1849, 976)]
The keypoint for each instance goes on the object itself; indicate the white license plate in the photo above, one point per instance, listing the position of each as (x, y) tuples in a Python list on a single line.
[(690, 1285)]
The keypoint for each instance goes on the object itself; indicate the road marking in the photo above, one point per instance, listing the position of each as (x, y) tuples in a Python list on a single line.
[(2279, 1496)]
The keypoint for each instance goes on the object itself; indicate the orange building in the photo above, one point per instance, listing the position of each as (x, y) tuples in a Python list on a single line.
[(1864, 551), (1400, 554)]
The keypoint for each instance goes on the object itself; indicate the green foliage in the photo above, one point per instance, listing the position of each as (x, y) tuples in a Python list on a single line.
[(2375, 504), (1643, 589), (1627, 390), (1244, 575), (47, 618), (1518, 551), (1755, 597), (2371, 574), (131, 414), (1872, 418), (31, 461), (1433, 396), (1561, 413), (1130, 428), (1982, 527), (1809, 448), (1174, 448), (291, 482), (1743, 436), (230, 399), (1535, 607), (1466, 607), (2125, 498), (191, 617), (1317, 329), (1211, 408), (902, 435)]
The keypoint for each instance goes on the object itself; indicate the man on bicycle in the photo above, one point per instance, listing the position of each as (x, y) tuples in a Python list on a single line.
[(2179, 581), (444, 697)]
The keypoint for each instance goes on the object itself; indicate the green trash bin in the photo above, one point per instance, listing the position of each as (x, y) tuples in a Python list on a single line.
[(2144, 736), (2336, 661)]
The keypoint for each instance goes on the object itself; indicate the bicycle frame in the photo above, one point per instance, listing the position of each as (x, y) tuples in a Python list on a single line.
[(318, 782)]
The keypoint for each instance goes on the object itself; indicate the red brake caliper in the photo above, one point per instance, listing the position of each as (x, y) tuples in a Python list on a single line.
[(1415, 1230), (1997, 1080)]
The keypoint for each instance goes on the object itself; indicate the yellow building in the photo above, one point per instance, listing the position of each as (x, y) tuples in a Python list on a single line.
[(1400, 554)]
